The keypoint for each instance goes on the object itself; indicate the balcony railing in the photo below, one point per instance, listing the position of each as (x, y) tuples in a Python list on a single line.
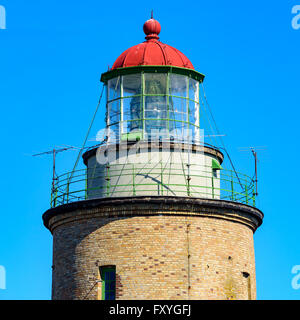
[(145, 180)]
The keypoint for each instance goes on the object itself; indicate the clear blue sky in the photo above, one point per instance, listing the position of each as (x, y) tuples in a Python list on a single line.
[(52, 55)]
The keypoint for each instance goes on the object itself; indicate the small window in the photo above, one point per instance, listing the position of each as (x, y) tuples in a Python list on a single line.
[(108, 277)]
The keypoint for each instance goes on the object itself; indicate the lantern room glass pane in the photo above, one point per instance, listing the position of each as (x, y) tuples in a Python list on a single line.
[(132, 126), (193, 90), (114, 88), (178, 109), (132, 108), (132, 113), (132, 85), (114, 112), (179, 131), (113, 133), (155, 83), (192, 112), (156, 107), (175, 116), (178, 85), (156, 129)]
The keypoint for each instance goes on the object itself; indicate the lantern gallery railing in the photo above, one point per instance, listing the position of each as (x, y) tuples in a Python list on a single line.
[(115, 180)]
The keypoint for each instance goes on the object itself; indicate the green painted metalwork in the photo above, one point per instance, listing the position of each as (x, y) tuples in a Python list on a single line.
[(152, 69), (132, 136), (230, 186), (216, 165), (108, 276), (137, 102)]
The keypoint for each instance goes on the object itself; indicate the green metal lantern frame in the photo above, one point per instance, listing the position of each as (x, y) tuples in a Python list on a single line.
[(152, 69), (142, 70)]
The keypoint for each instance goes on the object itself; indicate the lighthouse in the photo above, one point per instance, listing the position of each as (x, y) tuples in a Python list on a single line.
[(154, 214)]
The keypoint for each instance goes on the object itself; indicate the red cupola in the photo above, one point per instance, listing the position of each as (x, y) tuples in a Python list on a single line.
[(152, 52)]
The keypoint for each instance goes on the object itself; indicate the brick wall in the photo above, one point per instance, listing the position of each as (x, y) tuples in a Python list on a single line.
[(159, 253)]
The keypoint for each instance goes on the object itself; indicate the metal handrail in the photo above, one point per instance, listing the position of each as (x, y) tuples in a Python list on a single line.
[(66, 191)]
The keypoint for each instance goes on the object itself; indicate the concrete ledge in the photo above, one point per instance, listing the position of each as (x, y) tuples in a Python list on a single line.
[(153, 205)]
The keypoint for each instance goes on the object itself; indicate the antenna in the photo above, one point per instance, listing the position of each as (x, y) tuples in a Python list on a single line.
[(214, 135), (254, 152), (54, 151)]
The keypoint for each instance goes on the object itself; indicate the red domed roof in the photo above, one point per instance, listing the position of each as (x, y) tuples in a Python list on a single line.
[(152, 52)]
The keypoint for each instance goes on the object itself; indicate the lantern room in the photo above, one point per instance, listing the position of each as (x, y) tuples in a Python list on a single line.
[(152, 93)]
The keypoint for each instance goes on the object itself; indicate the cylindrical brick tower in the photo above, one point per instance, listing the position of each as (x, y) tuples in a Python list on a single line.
[(154, 215)]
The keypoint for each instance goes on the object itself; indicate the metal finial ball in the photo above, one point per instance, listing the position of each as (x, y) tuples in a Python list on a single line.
[(152, 28)]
